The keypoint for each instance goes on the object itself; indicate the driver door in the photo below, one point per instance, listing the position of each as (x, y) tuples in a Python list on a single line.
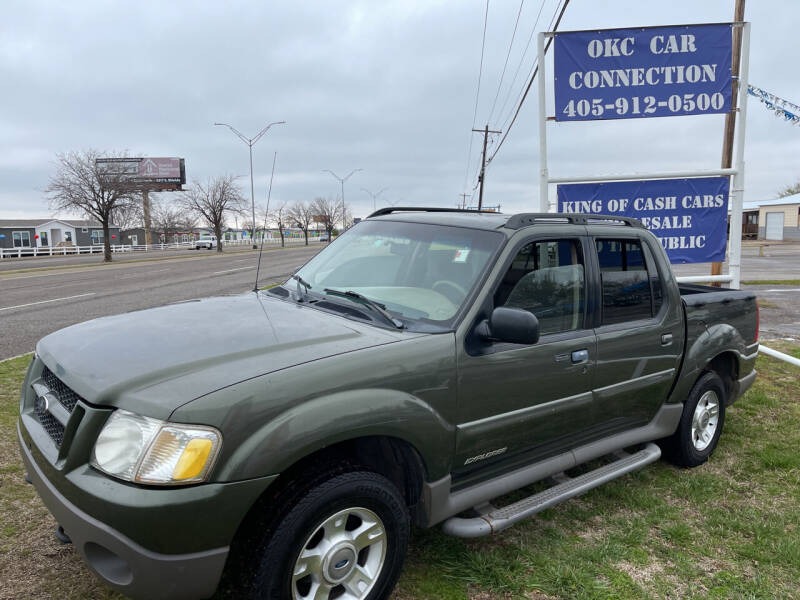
[(518, 402)]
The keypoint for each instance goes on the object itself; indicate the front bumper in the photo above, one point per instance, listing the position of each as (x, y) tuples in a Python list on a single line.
[(122, 563)]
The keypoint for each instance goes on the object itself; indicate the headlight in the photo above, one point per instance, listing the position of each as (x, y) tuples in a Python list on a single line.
[(150, 451)]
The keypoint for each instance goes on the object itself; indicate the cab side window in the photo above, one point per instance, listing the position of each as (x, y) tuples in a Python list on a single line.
[(547, 278), (627, 294)]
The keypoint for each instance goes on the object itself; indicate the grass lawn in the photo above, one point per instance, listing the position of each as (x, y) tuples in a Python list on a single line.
[(728, 529)]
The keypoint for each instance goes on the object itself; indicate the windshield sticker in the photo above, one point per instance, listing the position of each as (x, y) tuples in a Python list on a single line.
[(461, 255)]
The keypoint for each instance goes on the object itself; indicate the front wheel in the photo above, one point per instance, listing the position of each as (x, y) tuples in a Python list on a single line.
[(345, 538), (701, 423)]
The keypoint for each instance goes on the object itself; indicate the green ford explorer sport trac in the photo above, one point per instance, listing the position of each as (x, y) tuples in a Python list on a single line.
[(280, 444)]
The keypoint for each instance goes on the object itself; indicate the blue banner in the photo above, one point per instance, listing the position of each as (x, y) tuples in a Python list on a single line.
[(688, 216), (643, 72)]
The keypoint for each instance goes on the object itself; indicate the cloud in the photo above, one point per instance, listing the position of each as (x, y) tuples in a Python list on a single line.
[(387, 87)]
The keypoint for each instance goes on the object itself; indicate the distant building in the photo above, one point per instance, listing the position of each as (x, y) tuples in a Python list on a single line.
[(46, 233), (777, 219)]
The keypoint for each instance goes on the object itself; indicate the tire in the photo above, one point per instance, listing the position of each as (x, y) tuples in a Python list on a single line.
[(356, 523), (700, 425)]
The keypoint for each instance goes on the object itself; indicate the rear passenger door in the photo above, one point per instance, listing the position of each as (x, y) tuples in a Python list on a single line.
[(639, 333)]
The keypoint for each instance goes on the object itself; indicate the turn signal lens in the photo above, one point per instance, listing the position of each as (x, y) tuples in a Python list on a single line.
[(193, 460)]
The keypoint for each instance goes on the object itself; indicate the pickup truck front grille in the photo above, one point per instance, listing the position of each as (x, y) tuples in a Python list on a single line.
[(68, 400)]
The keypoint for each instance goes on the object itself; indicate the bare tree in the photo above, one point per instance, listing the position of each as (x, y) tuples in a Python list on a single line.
[(302, 215), (164, 218), (214, 201), (99, 191), (170, 218), (327, 211), (280, 216), (129, 216), (789, 190)]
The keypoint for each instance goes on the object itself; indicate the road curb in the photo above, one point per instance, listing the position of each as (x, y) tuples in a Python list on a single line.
[(14, 357)]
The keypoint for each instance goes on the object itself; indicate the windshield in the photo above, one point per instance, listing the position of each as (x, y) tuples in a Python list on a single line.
[(416, 271)]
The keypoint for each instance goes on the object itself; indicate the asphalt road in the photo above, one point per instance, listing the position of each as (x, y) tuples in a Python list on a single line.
[(36, 303), (47, 298), (779, 304)]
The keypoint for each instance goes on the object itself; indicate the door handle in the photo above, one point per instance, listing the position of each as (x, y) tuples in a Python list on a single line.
[(666, 339), (580, 356)]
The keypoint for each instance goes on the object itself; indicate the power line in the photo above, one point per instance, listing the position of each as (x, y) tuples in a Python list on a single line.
[(505, 64), (531, 73), (521, 61), (527, 89), (477, 92)]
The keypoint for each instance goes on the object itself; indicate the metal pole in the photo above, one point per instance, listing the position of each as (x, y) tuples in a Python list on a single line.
[(252, 197), (645, 175), (250, 142), (544, 203), (735, 237), (780, 355), (730, 118)]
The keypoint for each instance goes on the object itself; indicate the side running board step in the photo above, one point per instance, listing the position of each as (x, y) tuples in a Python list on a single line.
[(492, 520)]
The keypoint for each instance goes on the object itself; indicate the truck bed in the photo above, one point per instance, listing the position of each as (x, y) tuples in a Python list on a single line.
[(717, 317)]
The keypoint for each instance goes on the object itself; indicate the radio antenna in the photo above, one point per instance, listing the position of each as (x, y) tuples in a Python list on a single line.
[(266, 213)]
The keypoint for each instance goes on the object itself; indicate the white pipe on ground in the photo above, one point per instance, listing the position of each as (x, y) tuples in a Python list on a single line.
[(779, 355)]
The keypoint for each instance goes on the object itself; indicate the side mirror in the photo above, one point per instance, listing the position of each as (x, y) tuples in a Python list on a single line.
[(512, 325)]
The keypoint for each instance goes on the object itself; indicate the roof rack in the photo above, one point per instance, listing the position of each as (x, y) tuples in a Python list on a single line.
[(393, 209), (524, 219)]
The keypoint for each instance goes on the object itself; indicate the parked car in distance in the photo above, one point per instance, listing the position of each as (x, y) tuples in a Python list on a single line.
[(206, 241), (426, 364)]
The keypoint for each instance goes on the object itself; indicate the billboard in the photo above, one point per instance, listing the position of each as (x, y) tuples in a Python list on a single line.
[(154, 173), (643, 72), (688, 216)]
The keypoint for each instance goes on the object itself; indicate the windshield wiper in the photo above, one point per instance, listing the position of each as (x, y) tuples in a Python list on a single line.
[(301, 282), (361, 299)]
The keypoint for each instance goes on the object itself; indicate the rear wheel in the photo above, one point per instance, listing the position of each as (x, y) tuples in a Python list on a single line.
[(701, 423), (341, 537)]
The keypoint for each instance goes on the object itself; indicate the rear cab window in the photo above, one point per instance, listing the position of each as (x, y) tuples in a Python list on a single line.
[(631, 287)]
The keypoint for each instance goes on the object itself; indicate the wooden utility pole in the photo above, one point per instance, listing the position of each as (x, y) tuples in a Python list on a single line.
[(464, 200), (146, 217), (482, 176), (730, 118)]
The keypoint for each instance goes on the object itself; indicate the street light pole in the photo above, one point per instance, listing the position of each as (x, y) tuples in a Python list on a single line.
[(374, 196), (342, 180), (250, 143)]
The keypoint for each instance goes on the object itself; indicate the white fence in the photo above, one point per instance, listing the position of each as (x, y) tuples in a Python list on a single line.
[(98, 248)]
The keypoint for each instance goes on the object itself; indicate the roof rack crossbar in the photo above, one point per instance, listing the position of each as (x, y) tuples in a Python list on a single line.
[(393, 209), (524, 219)]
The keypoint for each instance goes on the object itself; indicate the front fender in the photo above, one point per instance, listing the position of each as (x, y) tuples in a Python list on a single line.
[(323, 421)]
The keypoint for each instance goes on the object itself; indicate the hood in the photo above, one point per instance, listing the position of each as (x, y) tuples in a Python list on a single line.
[(154, 360)]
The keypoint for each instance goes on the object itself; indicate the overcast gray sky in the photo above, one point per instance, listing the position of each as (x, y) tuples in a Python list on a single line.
[(386, 86)]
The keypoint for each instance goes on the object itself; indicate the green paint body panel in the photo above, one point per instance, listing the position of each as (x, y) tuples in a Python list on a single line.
[(282, 380)]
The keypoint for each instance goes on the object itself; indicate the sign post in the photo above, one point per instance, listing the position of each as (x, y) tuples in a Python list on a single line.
[(644, 73)]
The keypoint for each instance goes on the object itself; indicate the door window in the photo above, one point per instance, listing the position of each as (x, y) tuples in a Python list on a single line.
[(43, 238), (627, 295), (547, 278)]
